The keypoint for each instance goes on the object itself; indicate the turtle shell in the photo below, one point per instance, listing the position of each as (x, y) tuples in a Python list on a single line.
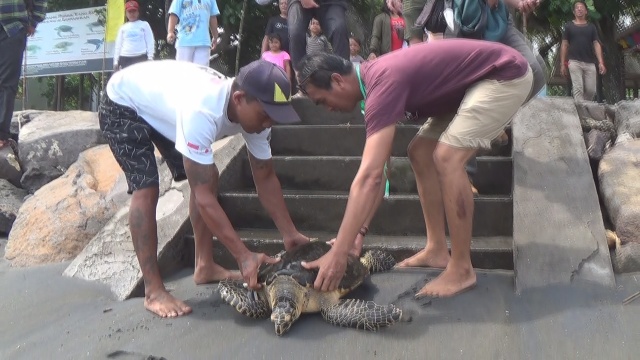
[(290, 265)]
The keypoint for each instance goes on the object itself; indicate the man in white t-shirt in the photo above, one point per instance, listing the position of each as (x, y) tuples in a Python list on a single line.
[(182, 112)]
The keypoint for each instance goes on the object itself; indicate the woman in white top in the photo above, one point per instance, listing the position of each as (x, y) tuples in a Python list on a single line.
[(135, 42)]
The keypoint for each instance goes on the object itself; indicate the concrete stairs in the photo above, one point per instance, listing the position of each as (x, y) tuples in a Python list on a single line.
[(316, 165)]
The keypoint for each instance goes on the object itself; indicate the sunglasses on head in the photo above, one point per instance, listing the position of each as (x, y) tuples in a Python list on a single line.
[(303, 82)]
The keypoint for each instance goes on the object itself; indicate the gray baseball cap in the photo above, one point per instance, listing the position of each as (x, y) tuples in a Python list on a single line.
[(268, 83)]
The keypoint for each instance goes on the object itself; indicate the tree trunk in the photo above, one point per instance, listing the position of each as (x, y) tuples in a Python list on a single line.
[(613, 80), (240, 29)]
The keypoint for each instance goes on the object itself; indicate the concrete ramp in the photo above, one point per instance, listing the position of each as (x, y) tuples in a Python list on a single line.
[(110, 257), (558, 231)]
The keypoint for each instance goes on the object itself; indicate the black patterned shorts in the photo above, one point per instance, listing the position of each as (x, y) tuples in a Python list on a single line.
[(132, 141)]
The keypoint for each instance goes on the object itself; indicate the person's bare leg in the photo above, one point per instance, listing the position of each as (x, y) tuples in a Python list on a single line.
[(144, 233), (458, 204), (206, 270), (435, 253)]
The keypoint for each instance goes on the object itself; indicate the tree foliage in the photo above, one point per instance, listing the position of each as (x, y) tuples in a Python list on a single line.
[(545, 27)]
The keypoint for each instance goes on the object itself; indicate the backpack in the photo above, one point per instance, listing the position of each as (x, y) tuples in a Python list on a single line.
[(471, 19)]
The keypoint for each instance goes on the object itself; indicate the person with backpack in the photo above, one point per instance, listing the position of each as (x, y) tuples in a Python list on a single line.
[(430, 15), (18, 19)]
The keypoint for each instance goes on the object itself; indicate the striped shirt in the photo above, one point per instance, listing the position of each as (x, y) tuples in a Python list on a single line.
[(318, 44), (14, 16)]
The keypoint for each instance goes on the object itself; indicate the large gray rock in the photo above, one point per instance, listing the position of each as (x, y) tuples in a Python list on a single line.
[(591, 109), (628, 118), (626, 258), (11, 199), (110, 257), (619, 175), (9, 166), (58, 221), (597, 143), (21, 118), (558, 231), (52, 141)]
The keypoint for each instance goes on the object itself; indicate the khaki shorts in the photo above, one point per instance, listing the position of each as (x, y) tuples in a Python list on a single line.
[(411, 9), (486, 109)]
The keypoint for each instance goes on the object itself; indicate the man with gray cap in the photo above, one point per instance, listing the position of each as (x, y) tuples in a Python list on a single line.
[(182, 113)]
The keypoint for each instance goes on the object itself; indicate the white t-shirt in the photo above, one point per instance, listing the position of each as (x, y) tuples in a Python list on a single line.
[(185, 102), (134, 38)]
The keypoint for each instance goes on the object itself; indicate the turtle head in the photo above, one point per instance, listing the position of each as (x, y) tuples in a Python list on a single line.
[(283, 314)]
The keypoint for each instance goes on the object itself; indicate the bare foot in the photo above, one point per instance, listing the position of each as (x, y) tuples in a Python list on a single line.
[(452, 281), (425, 258), (165, 305), (213, 272)]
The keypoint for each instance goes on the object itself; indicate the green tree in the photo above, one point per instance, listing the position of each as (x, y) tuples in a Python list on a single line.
[(546, 23)]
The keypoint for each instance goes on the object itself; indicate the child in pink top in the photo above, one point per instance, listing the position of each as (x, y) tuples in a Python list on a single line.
[(276, 55)]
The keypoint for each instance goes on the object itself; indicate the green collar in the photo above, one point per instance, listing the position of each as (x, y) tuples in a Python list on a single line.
[(364, 92)]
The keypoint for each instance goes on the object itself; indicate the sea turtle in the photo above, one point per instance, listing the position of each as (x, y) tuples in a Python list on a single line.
[(94, 24), (63, 45), (32, 49), (287, 291), (63, 29), (95, 42)]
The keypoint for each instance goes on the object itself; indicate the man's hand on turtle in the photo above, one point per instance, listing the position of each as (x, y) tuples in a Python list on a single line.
[(249, 265), (331, 267), (292, 241)]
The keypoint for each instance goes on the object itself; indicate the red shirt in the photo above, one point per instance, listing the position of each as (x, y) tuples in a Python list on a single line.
[(397, 33), (430, 79)]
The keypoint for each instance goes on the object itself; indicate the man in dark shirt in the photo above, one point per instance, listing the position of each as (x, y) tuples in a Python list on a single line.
[(579, 52), (16, 23), (278, 25), (332, 17), (471, 89)]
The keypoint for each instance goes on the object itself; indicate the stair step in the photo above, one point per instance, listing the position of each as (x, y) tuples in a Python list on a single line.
[(336, 173), (342, 140), (397, 215), (495, 252)]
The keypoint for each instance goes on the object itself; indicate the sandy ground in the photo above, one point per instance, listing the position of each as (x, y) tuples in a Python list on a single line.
[(44, 315)]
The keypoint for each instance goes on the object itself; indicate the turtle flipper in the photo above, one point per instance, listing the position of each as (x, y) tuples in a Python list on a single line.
[(361, 314), (247, 302), (378, 261)]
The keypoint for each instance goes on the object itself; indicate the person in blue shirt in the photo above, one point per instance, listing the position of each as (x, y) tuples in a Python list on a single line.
[(193, 19)]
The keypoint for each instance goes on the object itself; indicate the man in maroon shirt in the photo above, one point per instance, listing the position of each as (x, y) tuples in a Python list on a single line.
[(470, 89)]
